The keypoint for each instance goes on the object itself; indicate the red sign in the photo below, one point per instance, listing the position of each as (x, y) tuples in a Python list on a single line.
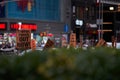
[(3, 25), (97, 2), (15, 26)]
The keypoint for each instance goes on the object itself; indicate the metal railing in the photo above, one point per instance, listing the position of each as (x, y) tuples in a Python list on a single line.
[(114, 2)]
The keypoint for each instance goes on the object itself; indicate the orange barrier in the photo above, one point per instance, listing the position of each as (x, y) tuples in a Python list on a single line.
[(33, 44)]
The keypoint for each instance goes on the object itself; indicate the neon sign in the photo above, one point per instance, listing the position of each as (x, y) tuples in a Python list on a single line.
[(3, 25), (15, 26)]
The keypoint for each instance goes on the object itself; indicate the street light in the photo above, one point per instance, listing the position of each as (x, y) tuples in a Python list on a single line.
[(111, 8)]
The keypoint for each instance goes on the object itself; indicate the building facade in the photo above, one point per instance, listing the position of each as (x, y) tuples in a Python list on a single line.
[(43, 15), (87, 18), (97, 18), (85, 13)]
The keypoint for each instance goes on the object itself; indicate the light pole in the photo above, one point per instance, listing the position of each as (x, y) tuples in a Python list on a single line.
[(100, 20)]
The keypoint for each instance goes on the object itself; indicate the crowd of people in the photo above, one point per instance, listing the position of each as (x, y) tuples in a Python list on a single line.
[(41, 40), (8, 42)]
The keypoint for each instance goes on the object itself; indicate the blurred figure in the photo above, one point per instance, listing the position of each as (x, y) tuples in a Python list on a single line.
[(45, 38)]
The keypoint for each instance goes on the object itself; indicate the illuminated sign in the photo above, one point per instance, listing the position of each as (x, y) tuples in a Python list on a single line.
[(79, 22), (3, 25), (15, 26)]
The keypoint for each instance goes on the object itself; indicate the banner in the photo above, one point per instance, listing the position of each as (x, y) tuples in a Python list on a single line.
[(64, 40), (49, 44), (23, 39), (73, 39)]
